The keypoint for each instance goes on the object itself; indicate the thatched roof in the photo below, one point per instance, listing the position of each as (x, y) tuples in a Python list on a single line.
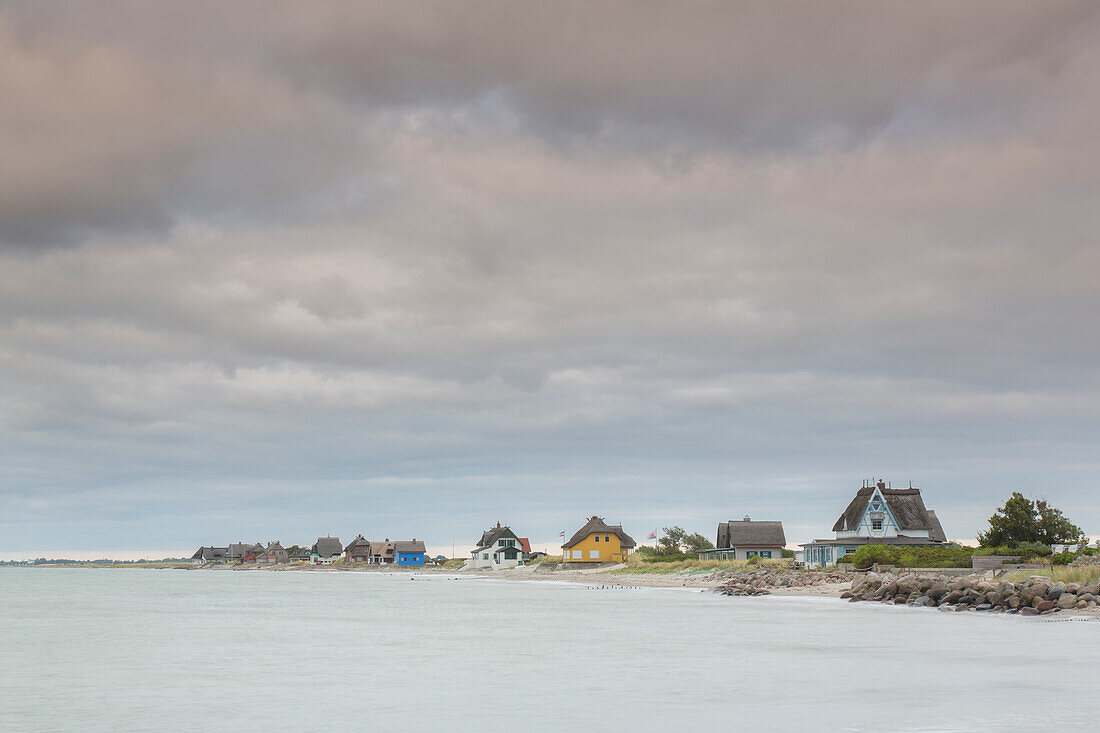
[(597, 525), (210, 553), (489, 537), (906, 505), (409, 546), (357, 542), (327, 546), (747, 533)]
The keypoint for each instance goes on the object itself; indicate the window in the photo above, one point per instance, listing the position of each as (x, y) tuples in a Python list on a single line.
[(597, 538), (766, 554), (593, 554), (876, 524), (507, 543), (607, 538), (485, 556), (578, 555), (751, 553)]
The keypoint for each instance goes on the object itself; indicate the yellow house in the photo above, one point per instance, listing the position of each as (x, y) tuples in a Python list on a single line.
[(597, 541)]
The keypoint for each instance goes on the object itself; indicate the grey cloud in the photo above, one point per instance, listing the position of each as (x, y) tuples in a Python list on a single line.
[(595, 255)]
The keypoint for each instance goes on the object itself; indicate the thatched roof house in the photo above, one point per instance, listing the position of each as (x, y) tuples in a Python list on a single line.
[(328, 547), (599, 542)]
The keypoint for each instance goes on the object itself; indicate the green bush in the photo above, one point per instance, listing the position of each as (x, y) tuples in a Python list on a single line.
[(671, 557), (911, 556), (1027, 551), (1064, 558)]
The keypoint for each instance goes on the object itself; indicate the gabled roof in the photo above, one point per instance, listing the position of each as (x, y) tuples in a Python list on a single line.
[(596, 524), (906, 506), (938, 534), (274, 546), (358, 541), (489, 537), (747, 533), (210, 553), (302, 553), (327, 546), (408, 546), (237, 550), (525, 544), (381, 548)]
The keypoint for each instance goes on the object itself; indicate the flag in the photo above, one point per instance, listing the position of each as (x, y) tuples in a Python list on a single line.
[(561, 534), (652, 536)]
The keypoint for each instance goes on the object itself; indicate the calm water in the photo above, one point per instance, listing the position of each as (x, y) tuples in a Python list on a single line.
[(162, 650)]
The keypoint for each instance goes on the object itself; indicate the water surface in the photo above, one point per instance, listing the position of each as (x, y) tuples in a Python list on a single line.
[(166, 650)]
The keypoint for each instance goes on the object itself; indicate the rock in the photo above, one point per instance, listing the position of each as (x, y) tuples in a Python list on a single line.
[(846, 594), (1028, 611), (1082, 604), (1012, 601), (937, 591), (1067, 600), (1055, 591), (1042, 606), (921, 601), (983, 607), (1086, 596)]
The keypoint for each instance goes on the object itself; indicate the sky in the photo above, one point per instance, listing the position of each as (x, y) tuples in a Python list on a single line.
[(273, 271)]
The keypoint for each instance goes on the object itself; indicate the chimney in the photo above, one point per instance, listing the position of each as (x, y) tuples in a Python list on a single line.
[(881, 484), (746, 519)]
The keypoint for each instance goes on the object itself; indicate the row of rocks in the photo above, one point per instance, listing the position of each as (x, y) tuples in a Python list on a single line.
[(761, 582), (1030, 597)]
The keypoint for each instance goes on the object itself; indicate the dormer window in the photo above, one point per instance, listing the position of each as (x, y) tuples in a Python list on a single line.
[(876, 525)]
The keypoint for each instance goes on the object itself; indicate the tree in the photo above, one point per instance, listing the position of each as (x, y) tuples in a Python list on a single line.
[(1021, 520), (677, 540), (697, 542), (670, 542)]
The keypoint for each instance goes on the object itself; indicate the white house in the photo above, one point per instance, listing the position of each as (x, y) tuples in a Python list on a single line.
[(878, 515), (498, 548)]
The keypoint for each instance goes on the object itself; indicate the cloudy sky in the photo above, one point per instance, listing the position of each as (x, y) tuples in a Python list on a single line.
[(407, 269)]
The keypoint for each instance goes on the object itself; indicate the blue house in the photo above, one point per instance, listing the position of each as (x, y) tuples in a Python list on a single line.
[(878, 515), (409, 553)]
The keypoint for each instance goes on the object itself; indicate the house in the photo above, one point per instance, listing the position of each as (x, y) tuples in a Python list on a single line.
[(878, 515), (273, 554), (358, 550), (498, 549), (326, 550), (382, 553), (299, 554), (598, 541), (409, 553), (252, 552), (236, 551), (740, 540), (205, 555)]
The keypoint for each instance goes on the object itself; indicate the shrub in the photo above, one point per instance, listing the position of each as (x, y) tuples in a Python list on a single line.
[(1064, 558)]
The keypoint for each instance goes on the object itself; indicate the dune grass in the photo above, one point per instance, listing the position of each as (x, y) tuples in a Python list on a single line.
[(1062, 573), (644, 565)]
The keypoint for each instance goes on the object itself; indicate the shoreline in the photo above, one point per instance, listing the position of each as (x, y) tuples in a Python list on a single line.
[(599, 577)]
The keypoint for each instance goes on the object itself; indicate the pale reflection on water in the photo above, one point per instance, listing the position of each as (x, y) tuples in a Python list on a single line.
[(162, 650)]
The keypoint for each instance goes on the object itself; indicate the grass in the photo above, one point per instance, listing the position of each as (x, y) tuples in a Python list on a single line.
[(642, 565), (1087, 574)]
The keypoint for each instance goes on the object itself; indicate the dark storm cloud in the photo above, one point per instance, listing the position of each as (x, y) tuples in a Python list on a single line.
[(551, 255)]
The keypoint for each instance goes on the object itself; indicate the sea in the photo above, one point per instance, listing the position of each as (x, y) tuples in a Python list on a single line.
[(176, 650)]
